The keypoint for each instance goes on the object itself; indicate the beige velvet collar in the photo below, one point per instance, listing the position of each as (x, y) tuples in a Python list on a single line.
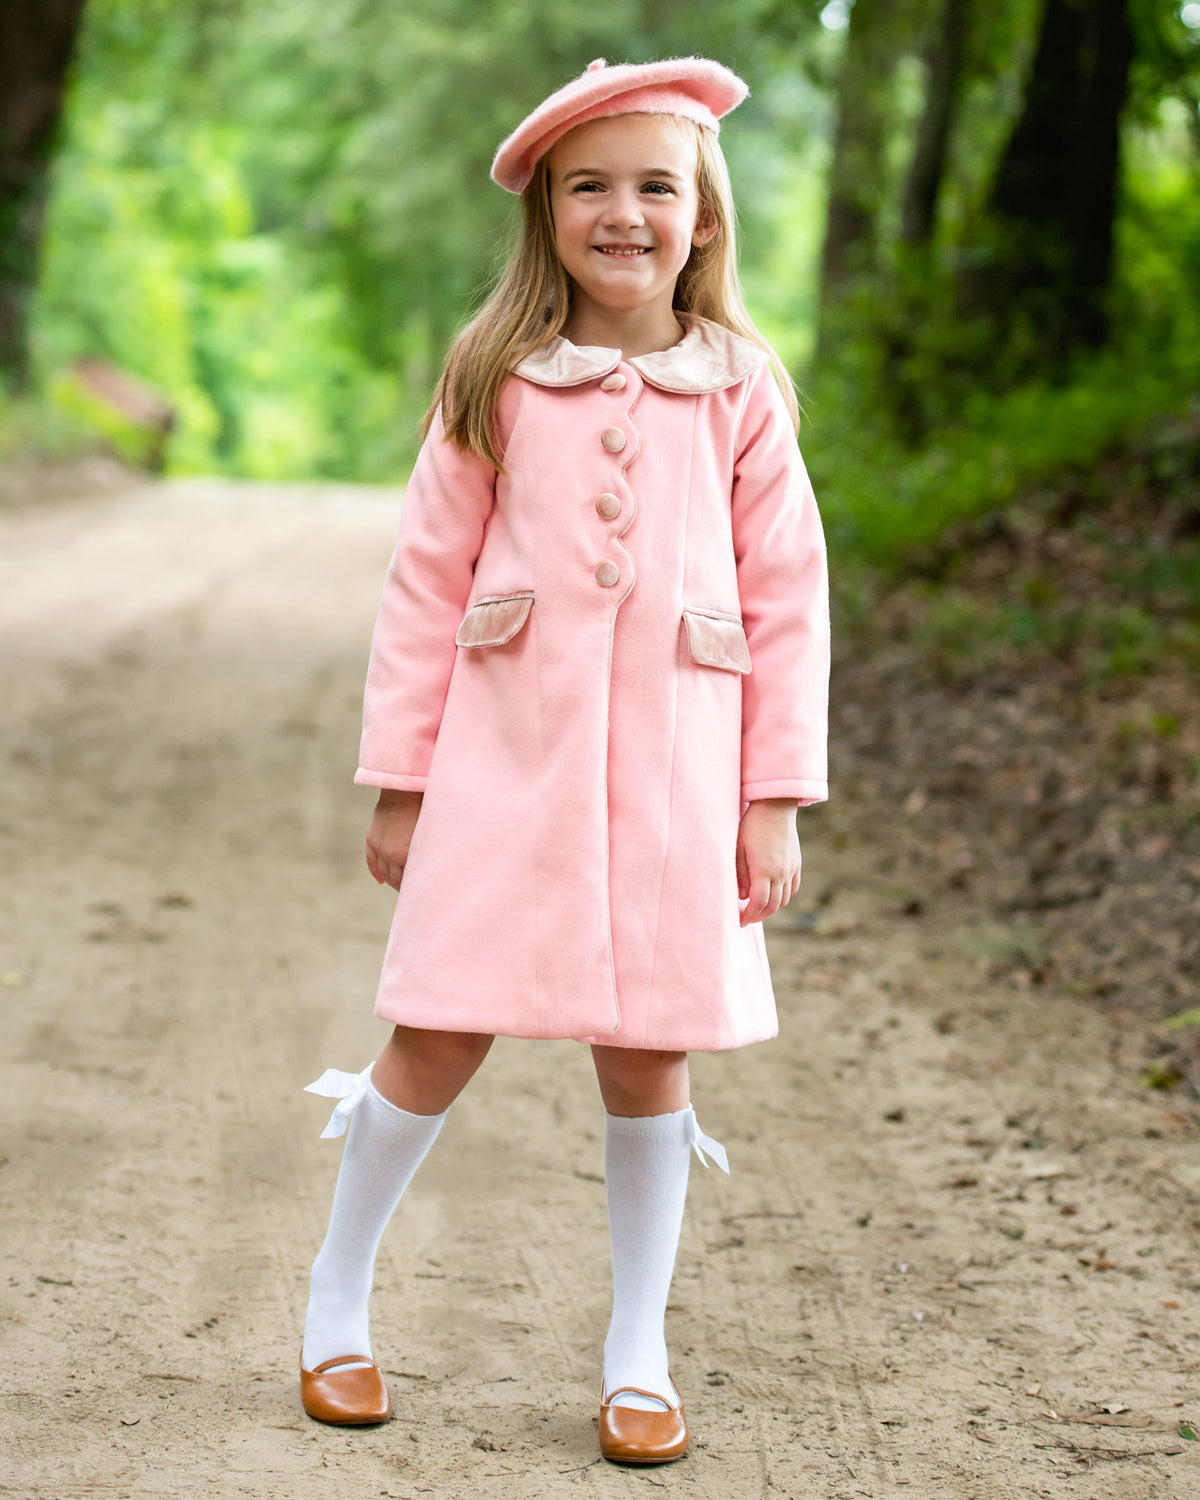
[(709, 357)]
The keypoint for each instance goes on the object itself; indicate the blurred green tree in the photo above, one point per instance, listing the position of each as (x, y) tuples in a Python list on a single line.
[(1037, 281)]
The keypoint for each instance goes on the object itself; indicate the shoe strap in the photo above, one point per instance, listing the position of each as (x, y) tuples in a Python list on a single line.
[(606, 1397), (342, 1359)]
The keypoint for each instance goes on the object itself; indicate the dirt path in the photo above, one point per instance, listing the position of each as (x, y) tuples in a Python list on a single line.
[(956, 1229)]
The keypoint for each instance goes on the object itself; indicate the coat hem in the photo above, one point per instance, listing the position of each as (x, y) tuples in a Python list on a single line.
[(683, 1042)]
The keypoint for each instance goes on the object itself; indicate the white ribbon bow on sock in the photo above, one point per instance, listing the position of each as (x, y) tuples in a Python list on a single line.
[(349, 1088), (702, 1143)]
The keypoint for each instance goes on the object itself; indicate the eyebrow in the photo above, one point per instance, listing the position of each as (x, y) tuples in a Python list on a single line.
[(644, 172)]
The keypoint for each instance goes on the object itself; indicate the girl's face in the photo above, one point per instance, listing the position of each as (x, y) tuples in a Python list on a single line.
[(626, 183)]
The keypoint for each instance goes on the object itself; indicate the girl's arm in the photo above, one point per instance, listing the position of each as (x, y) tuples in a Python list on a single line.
[(779, 547), (447, 502)]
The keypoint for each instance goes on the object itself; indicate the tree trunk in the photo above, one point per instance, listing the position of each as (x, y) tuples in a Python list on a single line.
[(1048, 249), (37, 38), (856, 176), (943, 89)]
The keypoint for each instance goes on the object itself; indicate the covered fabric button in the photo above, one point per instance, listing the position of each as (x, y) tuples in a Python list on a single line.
[(613, 382), (607, 573), (613, 439), (609, 506)]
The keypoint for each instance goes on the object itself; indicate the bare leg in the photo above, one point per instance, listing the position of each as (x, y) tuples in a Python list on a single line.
[(425, 1071), (637, 1082)]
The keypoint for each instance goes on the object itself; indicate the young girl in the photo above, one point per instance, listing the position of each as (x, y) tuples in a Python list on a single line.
[(596, 696)]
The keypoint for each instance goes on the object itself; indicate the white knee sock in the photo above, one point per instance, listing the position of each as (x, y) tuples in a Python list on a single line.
[(384, 1147), (646, 1162)]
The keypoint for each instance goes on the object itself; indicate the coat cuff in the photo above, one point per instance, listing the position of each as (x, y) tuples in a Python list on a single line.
[(365, 777), (805, 792)]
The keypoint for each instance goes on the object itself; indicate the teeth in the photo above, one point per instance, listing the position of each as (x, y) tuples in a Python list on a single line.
[(604, 251)]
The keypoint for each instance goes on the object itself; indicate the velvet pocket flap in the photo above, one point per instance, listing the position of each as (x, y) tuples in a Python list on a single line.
[(717, 640), (492, 621)]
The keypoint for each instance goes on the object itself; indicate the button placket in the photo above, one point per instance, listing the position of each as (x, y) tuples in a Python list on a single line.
[(609, 505)]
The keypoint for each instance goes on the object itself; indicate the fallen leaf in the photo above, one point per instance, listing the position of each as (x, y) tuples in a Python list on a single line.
[(1100, 1418), (1033, 1390)]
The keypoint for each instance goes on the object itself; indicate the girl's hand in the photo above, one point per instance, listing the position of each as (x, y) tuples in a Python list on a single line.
[(768, 857), (390, 834)]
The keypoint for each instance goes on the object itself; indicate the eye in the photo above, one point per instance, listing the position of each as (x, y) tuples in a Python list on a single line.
[(586, 186)]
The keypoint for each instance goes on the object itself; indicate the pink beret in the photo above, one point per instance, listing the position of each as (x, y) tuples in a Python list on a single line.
[(697, 87)]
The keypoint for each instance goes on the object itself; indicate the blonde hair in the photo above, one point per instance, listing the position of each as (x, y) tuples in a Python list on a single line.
[(531, 303)]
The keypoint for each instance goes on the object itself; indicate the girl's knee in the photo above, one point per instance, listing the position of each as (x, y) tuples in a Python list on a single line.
[(424, 1071), (634, 1081), (453, 1049), (636, 1062)]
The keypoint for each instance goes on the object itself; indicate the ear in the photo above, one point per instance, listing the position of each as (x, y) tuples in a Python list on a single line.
[(706, 225)]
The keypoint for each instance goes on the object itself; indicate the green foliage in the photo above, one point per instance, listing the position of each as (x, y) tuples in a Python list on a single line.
[(278, 211), (904, 442), (282, 211), (885, 500)]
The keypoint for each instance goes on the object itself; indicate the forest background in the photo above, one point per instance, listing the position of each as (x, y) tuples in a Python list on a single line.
[(972, 231)]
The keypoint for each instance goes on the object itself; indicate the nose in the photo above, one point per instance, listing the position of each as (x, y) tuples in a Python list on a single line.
[(624, 210)]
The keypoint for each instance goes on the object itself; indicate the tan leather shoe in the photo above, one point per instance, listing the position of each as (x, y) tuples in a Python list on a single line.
[(348, 1398), (629, 1435)]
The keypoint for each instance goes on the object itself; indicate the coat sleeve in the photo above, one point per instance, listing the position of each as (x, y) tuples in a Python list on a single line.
[(783, 585), (447, 502)]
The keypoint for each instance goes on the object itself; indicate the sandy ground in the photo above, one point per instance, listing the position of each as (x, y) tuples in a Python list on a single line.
[(956, 1256)]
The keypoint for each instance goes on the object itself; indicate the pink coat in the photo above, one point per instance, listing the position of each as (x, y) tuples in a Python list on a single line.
[(590, 666)]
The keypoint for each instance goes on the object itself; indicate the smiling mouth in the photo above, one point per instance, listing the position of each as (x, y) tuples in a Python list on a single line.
[(604, 250)]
